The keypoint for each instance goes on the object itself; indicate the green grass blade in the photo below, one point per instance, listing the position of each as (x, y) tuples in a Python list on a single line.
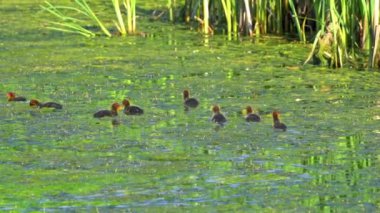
[(70, 31), (296, 20), (91, 14), (59, 15), (120, 22), (314, 46), (71, 8), (73, 26)]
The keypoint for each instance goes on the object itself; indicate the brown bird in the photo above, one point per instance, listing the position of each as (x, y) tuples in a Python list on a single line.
[(35, 103), (276, 121), (218, 117), (131, 110), (12, 97), (189, 102), (251, 117), (109, 113)]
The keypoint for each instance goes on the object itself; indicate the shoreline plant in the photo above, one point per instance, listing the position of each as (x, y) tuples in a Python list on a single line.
[(339, 30), (71, 24)]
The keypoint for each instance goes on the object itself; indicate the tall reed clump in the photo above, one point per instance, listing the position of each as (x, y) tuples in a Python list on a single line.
[(130, 6), (330, 44), (343, 28), (68, 21), (231, 17), (241, 17), (120, 21)]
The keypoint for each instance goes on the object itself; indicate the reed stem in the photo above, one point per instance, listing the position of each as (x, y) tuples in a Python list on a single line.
[(205, 17), (120, 24)]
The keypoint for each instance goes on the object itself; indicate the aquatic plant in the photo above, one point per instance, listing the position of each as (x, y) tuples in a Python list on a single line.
[(344, 27), (375, 34), (70, 24), (120, 22), (244, 17), (171, 6), (229, 12), (67, 24), (341, 29), (130, 6), (300, 32), (205, 16)]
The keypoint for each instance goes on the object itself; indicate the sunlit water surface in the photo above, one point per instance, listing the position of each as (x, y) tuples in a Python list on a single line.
[(172, 159)]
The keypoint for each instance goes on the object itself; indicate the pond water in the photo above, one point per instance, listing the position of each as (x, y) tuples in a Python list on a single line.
[(169, 159)]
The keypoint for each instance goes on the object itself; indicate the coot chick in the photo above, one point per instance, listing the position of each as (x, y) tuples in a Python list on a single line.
[(35, 103), (108, 113), (251, 117), (218, 117), (189, 102), (12, 97), (131, 110), (276, 121)]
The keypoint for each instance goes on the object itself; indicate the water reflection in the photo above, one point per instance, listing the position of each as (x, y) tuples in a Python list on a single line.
[(206, 40), (115, 122), (343, 164)]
